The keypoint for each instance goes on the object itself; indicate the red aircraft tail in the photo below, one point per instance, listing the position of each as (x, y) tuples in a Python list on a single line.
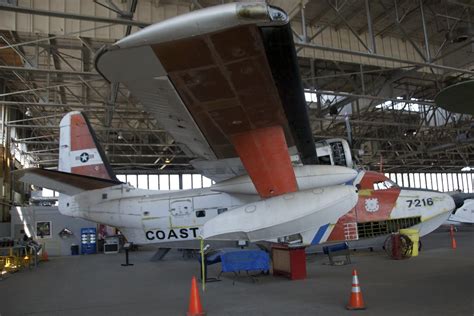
[(79, 150)]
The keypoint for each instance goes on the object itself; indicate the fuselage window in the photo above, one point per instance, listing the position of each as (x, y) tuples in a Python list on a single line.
[(221, 210), (384, 185), (380, 186), (200, 213), (390, 184)]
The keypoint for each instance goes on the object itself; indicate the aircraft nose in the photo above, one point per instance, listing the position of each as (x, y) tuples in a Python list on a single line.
[(460, 197), (458, 202), (451, 202)]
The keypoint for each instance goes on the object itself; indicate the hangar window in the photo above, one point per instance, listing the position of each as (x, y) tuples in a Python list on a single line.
[(201, 213)]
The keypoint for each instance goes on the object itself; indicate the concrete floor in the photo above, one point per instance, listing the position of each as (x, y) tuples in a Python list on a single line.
[(438, 282)]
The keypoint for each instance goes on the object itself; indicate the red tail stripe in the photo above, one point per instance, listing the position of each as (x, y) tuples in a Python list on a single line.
[(80, 135)]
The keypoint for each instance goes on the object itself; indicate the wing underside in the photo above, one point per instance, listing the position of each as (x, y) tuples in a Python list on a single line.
[(215, 77)]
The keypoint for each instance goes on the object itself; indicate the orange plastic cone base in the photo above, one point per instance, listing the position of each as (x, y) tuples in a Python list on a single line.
[(356, 301), (195, 307)]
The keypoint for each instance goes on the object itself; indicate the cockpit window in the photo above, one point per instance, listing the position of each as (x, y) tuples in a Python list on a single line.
[(384, 185), (324, 160)]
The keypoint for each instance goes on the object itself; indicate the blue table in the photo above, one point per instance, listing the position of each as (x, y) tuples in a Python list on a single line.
[(236, 260)]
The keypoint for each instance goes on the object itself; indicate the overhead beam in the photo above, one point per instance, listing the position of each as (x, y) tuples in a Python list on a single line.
[(381, 57), (56, 14), (372, 97), (97, 129), (50, 71), (103, 144), (57, 65)]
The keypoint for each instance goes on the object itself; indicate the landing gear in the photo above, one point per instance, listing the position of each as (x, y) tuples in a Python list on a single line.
[(398, 246)]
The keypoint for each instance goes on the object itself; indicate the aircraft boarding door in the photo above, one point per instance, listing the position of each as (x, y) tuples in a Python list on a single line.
[(181, 213)]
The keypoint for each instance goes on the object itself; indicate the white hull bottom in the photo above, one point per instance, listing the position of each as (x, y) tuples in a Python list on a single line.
[(289, 214)]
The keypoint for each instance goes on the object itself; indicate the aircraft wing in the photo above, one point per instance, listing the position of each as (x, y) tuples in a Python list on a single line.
[(63, 182), (224, 82)]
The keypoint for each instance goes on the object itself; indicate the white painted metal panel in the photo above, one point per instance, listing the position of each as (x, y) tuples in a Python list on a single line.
[(270, 219), (161, 100)]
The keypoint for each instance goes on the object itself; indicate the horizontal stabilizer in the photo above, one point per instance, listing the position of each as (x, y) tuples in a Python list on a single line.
[(63, 182)]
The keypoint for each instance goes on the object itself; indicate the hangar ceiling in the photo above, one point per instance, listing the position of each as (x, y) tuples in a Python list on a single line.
[(374, 66)]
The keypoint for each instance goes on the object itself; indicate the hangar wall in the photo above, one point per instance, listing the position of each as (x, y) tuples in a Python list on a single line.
[(23, 218), (342, 38), (152, 11), (5, 230)]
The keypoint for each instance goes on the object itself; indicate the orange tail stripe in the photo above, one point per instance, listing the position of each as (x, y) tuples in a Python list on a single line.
[(80, 135)]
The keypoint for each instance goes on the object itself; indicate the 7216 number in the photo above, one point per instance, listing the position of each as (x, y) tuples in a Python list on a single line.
[(420, 202)]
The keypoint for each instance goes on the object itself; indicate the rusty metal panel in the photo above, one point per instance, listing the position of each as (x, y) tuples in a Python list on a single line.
[(225, 81)]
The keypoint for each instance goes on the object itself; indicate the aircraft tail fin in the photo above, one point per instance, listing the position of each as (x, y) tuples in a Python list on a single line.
[(79, 151)]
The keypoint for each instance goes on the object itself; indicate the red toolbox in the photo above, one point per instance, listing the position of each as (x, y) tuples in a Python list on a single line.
[(289, 261)]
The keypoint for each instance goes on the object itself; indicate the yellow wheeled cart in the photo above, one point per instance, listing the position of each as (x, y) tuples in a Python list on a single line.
[(414, 236)]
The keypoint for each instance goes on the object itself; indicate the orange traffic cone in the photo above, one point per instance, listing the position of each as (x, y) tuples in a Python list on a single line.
[(453, 240), (195, 307), (44, 254), (356, 301)]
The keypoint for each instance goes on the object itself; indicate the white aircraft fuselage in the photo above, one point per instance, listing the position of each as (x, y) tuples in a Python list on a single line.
[(320, 214), (147, 216)]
